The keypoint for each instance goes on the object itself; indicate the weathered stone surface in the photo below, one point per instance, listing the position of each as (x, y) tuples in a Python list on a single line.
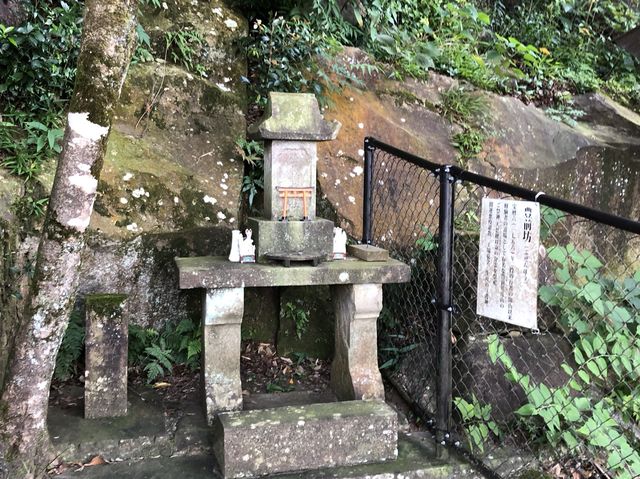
[(538, 355), (222, 316), (630, 41), (254, 443), (293, 116), (261, 310), (152, 428), (163, 171), (277, 237), (416, 460), (106, 343), (522, 142), (316, 338), (217, 272), (289, 164), (144, 269), (367, 252), (354, 370)]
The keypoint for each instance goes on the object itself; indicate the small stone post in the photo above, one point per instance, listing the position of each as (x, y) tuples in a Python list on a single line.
[(223, 310), (106, 343), (354, 372)]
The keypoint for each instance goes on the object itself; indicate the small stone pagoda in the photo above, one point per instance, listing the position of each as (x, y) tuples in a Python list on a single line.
[(357, 427), (289, 228)]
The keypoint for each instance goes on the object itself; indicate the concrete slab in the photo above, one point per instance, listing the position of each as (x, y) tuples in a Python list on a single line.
[(150, 429), (416, 460), (298, 438), (213, 272)]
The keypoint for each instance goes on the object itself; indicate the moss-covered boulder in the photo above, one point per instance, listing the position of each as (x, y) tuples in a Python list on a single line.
[(171, 180)]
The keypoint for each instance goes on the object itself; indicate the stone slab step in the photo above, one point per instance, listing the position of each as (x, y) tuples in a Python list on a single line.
[(416, 460), (297, 438)]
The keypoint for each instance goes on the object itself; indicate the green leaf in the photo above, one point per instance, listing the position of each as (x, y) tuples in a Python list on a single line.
[(558, 254), (526, 410), (484, 18), (570, 440), (591, 292), (584, 376)]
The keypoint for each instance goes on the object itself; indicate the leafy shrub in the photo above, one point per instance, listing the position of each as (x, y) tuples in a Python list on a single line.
[(469, 142), (463, 106), (297, 315), (157, 352), (37, 59)]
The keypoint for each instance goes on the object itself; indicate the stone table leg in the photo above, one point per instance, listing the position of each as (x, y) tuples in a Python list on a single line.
[(354, 372), (223, 309)]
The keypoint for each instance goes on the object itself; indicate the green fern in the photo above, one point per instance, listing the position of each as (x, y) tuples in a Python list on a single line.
[(71, 348), (160, 362)]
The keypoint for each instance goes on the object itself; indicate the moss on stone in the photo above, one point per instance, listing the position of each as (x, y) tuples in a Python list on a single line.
[(105, 304)]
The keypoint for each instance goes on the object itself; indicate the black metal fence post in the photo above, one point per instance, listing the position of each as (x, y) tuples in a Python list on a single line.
[(367, 206), (445, 273)]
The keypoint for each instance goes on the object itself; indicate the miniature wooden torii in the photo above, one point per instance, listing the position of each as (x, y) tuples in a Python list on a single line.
[(303, 192)]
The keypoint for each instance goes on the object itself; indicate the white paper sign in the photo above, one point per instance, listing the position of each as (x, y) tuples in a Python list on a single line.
[(508, 261)]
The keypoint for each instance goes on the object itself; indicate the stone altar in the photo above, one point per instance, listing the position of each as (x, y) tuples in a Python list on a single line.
[(291, 127), (356, 286)]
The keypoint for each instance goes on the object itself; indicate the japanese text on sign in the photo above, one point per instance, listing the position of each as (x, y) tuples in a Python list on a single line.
[(508, 261)]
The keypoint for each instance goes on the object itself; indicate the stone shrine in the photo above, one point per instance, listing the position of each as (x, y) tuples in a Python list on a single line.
[(291, 128), (358, 429)]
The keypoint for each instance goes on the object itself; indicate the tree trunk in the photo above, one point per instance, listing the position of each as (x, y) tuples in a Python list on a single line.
[(107, 44)]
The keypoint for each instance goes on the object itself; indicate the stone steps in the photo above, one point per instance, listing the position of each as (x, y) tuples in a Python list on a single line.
[(416, 460), (297, 438)]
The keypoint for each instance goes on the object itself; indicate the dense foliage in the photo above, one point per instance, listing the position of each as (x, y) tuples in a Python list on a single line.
[(536, 50), (37, 71)]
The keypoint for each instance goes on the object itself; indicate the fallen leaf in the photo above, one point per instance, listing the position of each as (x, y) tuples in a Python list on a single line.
[(96, 461), (161, 385)]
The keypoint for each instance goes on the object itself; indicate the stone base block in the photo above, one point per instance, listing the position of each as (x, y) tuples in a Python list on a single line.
[(366, 252), (297, 438), (277, 237)]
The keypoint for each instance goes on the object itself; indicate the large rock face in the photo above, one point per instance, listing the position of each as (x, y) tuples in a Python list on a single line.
[(171, 180), (584, 163), (170, 184)]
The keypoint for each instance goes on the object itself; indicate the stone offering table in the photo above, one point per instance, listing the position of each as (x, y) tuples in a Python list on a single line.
[(356, 287)]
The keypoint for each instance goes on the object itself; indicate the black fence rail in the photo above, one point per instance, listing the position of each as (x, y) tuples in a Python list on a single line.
[(563, 399)]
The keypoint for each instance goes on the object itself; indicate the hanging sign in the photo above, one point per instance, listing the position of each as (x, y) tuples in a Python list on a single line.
[(508, 261)]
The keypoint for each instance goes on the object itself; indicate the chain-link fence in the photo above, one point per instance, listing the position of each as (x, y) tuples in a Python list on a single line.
[(562, 399)]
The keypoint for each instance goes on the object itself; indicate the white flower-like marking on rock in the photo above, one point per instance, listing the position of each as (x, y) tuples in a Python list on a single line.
[(209, 199), (139, 192), (352, 200), (176, 200), (230, 23), (127, 176), (361, 125), (360, 152), (343, 277), (221, 215), (217, 11), (223, 87), (124, 201), (132, 227), (358, 170)]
